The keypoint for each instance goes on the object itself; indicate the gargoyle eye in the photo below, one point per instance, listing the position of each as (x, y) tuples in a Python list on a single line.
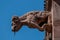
[(15, 18), (16, 21)]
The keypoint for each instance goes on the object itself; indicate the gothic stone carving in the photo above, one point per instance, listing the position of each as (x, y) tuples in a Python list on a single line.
[(35, 19)]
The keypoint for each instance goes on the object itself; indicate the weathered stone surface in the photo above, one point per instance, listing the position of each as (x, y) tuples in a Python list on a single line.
[(56, 19)]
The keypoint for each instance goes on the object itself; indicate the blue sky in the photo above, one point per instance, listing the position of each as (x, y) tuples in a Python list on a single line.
[(9, 8)]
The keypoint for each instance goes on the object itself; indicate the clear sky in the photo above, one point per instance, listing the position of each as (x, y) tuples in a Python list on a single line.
[(9, 8)]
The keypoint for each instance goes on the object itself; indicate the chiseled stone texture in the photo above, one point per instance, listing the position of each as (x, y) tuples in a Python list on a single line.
[(56, 20)]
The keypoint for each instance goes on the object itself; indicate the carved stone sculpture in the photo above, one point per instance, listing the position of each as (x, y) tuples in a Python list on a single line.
[(34, 19)]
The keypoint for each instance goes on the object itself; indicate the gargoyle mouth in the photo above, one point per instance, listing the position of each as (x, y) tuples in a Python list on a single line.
[(14, 29)]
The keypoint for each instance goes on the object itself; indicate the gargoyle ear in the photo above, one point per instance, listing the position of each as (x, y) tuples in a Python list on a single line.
[(15, 18)]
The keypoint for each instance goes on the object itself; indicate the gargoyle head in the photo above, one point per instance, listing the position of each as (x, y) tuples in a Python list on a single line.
[(15, 23)]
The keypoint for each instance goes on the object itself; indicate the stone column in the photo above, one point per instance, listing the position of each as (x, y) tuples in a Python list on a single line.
[(56, 19)]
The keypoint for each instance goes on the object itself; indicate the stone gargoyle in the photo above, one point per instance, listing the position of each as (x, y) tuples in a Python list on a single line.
[(34, 19)]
